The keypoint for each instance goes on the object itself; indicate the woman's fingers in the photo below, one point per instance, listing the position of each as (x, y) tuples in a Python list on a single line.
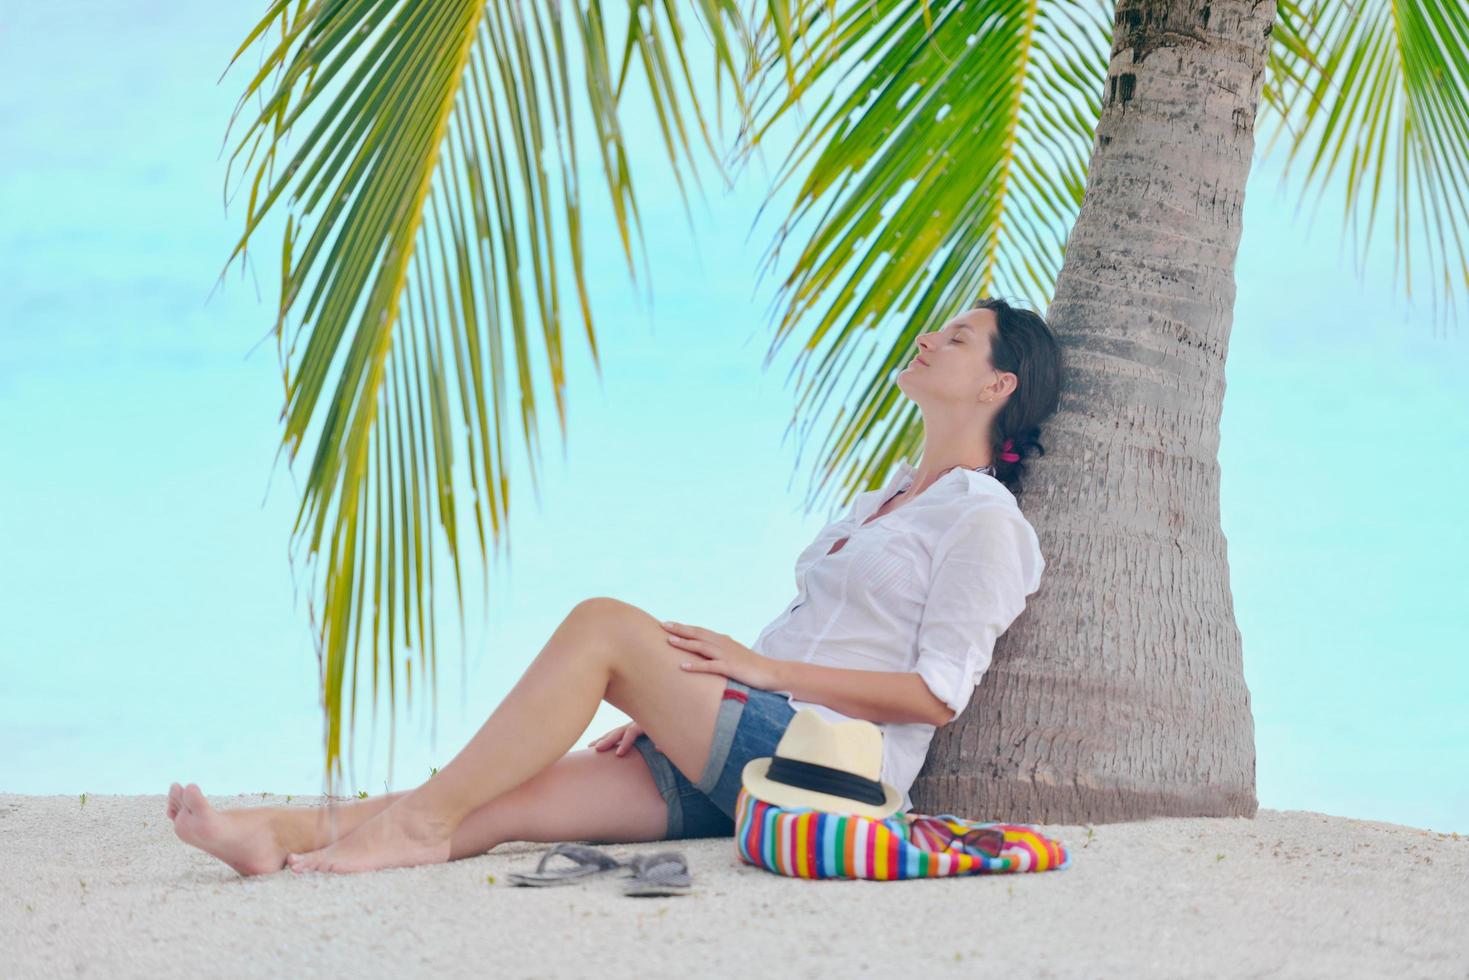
[(693, 633), (697, 647), (617, 738), (620, 739), (605, 741), (629, 735)]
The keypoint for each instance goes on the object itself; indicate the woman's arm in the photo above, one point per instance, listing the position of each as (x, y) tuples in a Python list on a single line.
[(879, 696)]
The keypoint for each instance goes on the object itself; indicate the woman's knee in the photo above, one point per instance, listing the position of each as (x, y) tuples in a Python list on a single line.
[(598, 607), (613, 628), (607, 612)]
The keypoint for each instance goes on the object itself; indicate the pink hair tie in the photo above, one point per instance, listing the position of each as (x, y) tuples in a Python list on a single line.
[(1006, 454)]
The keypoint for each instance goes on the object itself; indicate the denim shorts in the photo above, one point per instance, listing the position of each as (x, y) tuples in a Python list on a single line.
[(749, 726)]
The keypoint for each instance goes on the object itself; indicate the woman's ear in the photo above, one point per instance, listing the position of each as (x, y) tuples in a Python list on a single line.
[(1006, 382)]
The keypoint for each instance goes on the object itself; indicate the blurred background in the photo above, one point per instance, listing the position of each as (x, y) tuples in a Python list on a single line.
[(150, 630)]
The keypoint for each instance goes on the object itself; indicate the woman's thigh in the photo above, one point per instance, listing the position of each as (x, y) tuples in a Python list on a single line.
[(675, 707), (590, 795), (585, 795), (750, 725)]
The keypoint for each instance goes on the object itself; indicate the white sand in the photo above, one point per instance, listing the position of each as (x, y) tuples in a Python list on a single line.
[(105, 889)]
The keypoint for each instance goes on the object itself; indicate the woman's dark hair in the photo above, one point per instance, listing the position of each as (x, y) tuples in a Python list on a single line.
[(1024, 345)]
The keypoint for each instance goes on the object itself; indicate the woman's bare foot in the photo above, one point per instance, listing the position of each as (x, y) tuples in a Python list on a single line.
[(243, 839), (400, 836)]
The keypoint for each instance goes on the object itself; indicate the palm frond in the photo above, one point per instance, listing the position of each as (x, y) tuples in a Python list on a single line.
[(419, 244), (946, 162), (1382, 88)]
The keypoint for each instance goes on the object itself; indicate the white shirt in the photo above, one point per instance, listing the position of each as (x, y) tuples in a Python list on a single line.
[(926, 588)]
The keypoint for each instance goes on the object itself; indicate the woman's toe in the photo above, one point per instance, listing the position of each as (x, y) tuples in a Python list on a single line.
[(304, 862)]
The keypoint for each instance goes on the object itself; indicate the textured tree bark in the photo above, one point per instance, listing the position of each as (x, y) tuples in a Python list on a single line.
[(1119, 693)]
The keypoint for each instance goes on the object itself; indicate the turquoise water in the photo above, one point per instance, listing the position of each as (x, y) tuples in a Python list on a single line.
[(148, 625)]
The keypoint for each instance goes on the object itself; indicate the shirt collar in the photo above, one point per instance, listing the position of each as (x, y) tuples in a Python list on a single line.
[(960, 481), (974, 483)]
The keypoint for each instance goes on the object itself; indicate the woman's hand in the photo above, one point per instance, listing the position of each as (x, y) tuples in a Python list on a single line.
[(619, 738), (717, 653)]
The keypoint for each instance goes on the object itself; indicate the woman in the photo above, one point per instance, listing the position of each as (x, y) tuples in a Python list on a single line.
[(893, 622)]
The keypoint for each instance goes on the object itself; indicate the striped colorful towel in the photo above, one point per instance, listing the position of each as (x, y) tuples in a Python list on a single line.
[(804, 843)]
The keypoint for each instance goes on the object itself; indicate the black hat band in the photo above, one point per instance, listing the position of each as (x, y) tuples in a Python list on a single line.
[(824, 779)]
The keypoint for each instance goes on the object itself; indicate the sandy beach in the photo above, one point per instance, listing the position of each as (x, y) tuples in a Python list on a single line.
[(104, 888)]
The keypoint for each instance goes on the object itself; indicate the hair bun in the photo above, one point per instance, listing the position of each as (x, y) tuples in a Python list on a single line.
[(1024, 345), (1025, 444)]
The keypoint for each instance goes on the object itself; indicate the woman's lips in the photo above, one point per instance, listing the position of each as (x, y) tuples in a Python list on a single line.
[(921, 361)]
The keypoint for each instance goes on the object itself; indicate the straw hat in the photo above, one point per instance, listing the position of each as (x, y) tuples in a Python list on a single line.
[(830, 766)]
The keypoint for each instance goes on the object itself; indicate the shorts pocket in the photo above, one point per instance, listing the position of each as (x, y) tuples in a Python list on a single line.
[(765, 720), (726, 724)]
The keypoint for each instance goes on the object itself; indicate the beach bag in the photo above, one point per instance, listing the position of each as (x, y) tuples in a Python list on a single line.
[(802, 842)]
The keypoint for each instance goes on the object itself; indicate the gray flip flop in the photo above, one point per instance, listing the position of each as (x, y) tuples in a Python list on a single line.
[(587, 862), (661, 873)]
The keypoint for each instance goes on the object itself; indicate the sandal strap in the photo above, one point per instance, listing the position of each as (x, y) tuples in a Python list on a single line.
[(645, 864), (667, 873), (579, 854)]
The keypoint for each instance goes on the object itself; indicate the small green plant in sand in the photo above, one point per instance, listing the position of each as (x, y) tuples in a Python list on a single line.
[(84, 799), (433, 771), (362, 794)]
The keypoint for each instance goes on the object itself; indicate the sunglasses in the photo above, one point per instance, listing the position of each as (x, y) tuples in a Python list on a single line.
[(989, 841)]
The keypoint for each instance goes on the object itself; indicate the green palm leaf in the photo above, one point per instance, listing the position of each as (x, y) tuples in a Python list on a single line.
[(1382, 87), (951, 167), (419, 243)]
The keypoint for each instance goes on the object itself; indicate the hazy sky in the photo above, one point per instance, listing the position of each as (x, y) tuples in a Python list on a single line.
[(149, 630)]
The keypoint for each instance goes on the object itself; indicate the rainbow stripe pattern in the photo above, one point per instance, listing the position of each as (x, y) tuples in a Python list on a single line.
[(804, 843)]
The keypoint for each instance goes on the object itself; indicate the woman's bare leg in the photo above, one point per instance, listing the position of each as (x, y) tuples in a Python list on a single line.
[(605, 649), (256, 839), (585, 795)]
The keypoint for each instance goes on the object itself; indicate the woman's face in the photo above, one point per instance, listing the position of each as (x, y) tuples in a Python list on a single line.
[(953, 362)]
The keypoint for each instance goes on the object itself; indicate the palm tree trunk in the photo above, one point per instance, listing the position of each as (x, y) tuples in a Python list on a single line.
[(1120, 691)]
